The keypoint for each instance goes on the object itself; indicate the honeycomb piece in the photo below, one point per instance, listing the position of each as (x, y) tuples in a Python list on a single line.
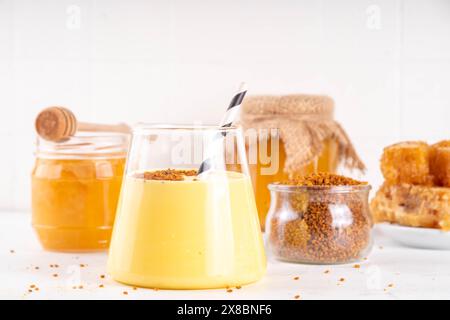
[(434, 147), (443, 143), (414, 206), (407, 162), (440, 166)]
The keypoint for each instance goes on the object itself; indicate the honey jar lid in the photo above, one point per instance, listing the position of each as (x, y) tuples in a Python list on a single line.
[(296, 104)]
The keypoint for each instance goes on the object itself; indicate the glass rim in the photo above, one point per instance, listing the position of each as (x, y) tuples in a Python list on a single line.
[(85, 135), (85, 144), (144, 127), (329, 189)]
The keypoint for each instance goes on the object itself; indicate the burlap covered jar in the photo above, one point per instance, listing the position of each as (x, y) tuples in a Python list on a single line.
[(307, 139)]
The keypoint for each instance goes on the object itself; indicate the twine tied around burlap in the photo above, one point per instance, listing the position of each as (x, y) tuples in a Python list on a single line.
[(304, 122)]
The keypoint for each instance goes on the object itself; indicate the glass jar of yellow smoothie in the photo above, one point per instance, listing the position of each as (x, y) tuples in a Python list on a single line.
[(75, 190), (177, 229), (291, 136)]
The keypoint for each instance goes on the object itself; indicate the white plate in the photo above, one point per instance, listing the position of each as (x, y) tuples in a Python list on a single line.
[(423, 238)]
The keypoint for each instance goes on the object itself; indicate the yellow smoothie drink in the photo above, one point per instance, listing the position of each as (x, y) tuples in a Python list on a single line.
[(193, 233)]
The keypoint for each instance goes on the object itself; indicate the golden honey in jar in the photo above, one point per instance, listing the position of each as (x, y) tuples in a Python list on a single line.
[(327, 161), (291, 136), (75, 190)]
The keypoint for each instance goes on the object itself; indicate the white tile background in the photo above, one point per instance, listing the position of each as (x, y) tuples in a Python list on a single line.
[(385, 62)]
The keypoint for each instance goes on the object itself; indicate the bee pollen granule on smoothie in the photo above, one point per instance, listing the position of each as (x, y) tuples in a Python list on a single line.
[(167, 174), (321, 218)]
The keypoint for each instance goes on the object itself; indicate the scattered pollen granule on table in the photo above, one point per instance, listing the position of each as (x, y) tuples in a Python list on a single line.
[(296, 278), (297, 297), (357, 266)]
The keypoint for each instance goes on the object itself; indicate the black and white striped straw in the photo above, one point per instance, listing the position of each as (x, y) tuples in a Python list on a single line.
[(230, 116)]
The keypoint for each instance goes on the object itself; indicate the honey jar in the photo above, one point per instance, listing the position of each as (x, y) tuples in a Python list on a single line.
[(75, 190), (291, 136)]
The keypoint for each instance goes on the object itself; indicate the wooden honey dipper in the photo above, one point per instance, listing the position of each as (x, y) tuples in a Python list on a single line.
[(59, 124)]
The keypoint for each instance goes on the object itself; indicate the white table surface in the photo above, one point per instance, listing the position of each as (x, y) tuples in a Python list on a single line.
[(390, 272)]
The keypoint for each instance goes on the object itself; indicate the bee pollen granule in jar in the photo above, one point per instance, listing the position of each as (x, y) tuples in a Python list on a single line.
[(320, 218)]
